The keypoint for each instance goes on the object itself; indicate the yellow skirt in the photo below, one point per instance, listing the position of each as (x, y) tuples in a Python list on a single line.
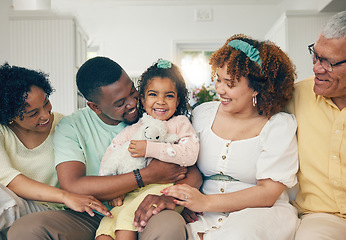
[(123, 216)]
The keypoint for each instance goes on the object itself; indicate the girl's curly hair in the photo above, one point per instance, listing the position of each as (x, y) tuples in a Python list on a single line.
[(175, 76), (274, 81), (15, 84)]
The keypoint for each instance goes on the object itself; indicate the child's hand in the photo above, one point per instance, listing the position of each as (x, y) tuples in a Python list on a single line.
[(137, 148), (117, 201)]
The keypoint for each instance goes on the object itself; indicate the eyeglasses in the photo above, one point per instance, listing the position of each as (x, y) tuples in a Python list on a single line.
[(324, 62)]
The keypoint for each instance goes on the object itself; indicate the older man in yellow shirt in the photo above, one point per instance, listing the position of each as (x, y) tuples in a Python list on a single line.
[(319, 104)]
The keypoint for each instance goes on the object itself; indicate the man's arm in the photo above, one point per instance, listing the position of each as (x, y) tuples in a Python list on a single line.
[(193, 177), (72, 178), (70, 147)]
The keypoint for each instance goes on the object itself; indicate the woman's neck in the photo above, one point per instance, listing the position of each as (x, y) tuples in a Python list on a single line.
[(238, 126), (30, 139)]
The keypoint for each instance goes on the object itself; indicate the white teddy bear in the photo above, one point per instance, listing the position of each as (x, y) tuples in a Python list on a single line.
[(120, 160)]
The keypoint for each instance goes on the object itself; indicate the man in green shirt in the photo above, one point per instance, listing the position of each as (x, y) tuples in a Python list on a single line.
[(81, 140)]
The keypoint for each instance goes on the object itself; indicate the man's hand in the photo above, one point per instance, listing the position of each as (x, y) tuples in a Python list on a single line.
[(117, 201), (160, 172), (138, 148), (190, 216), (151, 205), (146, 209)]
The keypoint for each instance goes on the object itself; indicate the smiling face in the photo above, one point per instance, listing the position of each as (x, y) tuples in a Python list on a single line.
[(37, 115), (160, 98), (331, 84), (236, 97), (117, 102)]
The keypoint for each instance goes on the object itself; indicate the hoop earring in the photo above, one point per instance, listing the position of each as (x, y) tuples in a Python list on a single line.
[(254, 101)]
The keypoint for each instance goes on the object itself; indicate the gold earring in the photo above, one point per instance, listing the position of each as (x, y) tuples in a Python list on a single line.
[(10, 122), (254, 101)]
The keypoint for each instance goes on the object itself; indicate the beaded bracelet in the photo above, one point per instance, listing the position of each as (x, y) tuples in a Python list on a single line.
[(138, 178)]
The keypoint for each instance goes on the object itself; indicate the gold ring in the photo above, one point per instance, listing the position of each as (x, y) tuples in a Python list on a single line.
[(90, 204), (154, 205)]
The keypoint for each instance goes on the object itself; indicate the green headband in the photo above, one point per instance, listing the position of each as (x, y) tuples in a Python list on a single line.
[(164, 64), (248, 49)]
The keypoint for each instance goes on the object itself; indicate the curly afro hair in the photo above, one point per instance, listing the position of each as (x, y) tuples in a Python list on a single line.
[(274, 81), (15, 84), (172, 73)]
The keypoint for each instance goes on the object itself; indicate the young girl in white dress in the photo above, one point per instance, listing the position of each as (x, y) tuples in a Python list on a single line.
[(248, 148)]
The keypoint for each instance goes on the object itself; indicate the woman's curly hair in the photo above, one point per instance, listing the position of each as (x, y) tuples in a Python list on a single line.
[(15, 84), (172, 73), (274, 81)]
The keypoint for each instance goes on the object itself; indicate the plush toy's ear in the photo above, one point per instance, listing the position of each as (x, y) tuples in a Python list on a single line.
[(145, 118)]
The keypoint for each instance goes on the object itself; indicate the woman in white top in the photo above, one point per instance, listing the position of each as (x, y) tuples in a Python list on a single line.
[(26, 149), (248, 148)]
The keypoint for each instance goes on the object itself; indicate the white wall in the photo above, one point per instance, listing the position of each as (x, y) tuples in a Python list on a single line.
[(136, 36), (53, 43), (293, 32), (317, 5), (4, 30), (31, 4), (304, 30)]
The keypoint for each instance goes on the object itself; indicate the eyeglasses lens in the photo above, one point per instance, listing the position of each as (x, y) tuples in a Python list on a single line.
[(324, 63)]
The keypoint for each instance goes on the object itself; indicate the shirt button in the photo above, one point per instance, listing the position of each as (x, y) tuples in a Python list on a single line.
[(337, 131), (335, 183), (224, 157), (221, 173), (227, 145), (220, 219), (335, 157), (214, 227), (222, 190)]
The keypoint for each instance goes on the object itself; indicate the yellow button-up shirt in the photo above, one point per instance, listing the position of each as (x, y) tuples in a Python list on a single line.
[(322, 151)]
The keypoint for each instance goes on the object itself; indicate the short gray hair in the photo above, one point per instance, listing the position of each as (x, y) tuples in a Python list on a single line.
[(335, 27)]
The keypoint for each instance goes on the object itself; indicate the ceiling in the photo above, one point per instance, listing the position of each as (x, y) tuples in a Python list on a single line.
[(170, 2)]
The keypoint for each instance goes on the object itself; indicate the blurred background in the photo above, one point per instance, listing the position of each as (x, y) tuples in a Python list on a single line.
[(57, 36)]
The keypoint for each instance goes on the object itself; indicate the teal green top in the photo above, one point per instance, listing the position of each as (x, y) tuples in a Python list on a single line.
[(83, 137), (219, 177)]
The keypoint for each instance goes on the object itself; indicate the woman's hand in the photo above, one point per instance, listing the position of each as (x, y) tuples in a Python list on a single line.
[(187, 197), (84, 203), (138, 148), (151, 205)]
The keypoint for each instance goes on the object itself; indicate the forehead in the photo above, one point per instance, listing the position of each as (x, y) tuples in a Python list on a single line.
[(158, 82), (117, 90), (222, 70), (36, 98), (35, 94), (334, 48)]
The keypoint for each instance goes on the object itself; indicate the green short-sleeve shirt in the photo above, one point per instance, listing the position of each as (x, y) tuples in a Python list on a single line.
[(83, 137)]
